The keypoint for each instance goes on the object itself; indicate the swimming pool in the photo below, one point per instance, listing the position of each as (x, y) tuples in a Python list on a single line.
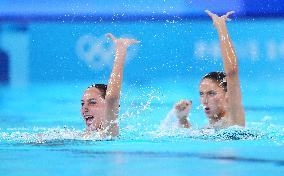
[(40, 120), (40, 123)]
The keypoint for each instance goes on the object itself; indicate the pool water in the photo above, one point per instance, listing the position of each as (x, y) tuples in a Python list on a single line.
[(41, 125)]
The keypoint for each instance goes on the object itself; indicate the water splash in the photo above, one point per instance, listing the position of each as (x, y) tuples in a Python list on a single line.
[(262, 130)]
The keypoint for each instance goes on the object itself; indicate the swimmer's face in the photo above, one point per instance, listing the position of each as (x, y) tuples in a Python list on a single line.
[(93, 108), (212, 97)]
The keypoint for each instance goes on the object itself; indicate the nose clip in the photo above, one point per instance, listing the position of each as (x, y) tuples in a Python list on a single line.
[(206, 100)]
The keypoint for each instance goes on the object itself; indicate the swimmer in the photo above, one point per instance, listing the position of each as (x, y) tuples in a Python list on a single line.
[(220, 92), (100, 102)]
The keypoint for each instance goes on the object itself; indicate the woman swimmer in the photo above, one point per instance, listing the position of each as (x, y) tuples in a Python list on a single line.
[(220, 92), (100, 103)]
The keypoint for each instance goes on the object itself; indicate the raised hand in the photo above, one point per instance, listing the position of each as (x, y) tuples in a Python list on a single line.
[(182, 108), (219, 21), (110, 124), (121, 41), (235, 113)]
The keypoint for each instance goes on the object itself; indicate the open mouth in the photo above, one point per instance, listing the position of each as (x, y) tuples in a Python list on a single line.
[(89, 120), (207, 110)]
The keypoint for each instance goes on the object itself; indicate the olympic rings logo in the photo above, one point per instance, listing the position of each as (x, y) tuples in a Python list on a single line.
[(98, 53)]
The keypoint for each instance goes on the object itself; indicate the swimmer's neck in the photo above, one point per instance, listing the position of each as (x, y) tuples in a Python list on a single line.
[(93, 129), (217, 118)]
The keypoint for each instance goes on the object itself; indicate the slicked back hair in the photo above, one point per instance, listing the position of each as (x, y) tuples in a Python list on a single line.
[(219, 77), (101, 87)]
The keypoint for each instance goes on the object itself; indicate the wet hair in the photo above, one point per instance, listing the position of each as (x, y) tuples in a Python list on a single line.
[(219, 77), (101, 87)]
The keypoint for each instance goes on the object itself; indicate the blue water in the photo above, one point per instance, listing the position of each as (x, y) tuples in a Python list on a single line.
[(40, 127)]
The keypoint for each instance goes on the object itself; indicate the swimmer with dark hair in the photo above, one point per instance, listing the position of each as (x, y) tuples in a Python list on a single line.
[(100, 102), (220, 92)]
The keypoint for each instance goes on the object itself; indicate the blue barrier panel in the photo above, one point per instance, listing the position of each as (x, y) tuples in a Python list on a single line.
[(86, 10), (4, 67), (272, 8)]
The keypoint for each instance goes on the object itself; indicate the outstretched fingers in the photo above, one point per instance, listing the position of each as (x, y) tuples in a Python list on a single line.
[(213, 14), (133, 41), (219, 20), (112, 37), (228, 14), (209, 13), (121, 41)]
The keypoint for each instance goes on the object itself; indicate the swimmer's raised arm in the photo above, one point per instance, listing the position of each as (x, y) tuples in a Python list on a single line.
[(110, 124), (236, 115)]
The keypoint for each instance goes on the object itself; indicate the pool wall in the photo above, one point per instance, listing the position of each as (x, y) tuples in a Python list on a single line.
[(178, 43)]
